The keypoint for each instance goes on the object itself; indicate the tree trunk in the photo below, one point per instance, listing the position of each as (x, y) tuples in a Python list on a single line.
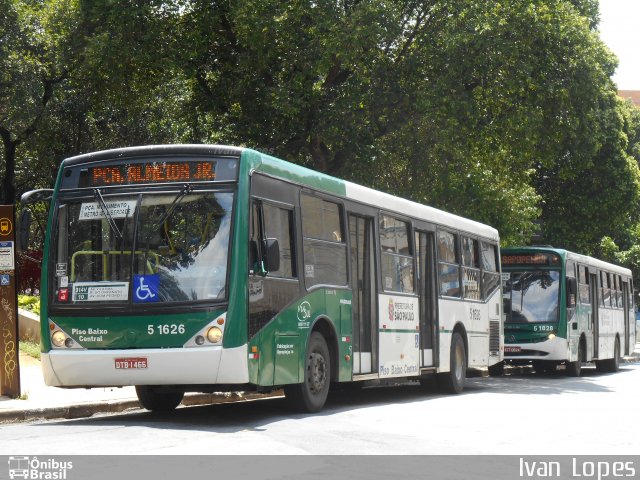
[(8, 191)]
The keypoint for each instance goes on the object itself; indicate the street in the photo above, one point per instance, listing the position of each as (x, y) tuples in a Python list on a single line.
[(519, 414)]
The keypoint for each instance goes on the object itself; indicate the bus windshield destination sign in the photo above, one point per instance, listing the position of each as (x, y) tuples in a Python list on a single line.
[(151, 172), (531, 259)]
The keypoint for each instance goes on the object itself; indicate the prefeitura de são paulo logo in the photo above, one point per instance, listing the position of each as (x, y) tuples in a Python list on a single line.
[(40, 469)]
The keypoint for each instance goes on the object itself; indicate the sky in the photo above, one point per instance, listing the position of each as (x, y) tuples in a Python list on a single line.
[(620, 30)]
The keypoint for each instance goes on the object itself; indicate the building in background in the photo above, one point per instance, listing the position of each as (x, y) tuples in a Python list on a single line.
[(633, 95)]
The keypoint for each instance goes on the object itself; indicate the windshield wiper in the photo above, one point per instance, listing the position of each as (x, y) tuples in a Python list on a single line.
[(98, 195), (187, 188)]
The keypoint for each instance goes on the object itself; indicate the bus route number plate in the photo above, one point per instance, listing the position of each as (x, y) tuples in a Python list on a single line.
[(131, 363)]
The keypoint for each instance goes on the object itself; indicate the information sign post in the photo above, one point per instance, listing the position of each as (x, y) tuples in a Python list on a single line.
[(9, 357)]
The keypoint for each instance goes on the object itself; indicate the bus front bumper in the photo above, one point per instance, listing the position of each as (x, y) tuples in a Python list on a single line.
[(169, 366), (555, 349)]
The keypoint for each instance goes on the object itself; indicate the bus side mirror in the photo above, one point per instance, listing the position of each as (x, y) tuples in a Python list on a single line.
[(23, 231), (34, 196), (572, 291), (272, 249)]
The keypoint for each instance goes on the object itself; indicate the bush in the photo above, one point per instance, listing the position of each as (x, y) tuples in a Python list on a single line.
[(30, 303), (30, 348)]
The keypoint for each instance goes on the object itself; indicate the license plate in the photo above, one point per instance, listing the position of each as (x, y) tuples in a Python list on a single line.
[(511, 349), (131, 363)]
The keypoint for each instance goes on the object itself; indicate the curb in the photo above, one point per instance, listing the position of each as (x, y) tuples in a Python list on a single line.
[(67, 412), (85, 410)]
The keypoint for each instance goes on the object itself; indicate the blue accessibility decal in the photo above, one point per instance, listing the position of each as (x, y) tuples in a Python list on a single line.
[(5, 280), (145, 288)]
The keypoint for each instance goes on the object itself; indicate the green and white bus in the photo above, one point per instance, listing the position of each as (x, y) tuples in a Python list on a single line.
[(194, 268), (563, 308)]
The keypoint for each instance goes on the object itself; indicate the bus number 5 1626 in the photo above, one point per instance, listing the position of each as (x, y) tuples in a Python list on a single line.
[(172, 329)]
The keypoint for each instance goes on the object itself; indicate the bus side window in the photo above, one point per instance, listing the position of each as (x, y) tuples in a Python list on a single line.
[(605, 297), (620, 293), (571, 284), (489, 264), (584, 292), (448, 264), (323, 239), (278, 225), (471, 269), (271, 248), (396, 255)]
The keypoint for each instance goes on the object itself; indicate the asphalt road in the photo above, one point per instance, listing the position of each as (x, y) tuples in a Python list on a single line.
[(519, 414)]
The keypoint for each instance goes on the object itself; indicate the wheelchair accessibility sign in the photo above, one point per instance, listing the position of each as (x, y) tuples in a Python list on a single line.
[(145, 288)]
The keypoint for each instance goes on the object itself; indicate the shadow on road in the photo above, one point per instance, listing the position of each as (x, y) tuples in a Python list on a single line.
[(255, 415)]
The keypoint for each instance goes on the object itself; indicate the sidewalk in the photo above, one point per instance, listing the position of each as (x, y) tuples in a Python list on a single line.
[(42, 402)]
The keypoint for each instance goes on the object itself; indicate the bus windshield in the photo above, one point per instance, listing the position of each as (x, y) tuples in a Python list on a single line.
[(142, 248), (532, 297)]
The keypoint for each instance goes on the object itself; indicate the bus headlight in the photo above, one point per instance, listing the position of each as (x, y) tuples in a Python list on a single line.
[(551, 336), (214, 335), (58, 338)]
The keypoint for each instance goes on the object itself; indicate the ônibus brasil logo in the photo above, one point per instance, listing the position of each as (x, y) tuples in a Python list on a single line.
[(37, 469)]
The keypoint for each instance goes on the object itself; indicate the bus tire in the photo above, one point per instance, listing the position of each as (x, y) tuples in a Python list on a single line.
[(612, 365), (311, 395), (496, 370), (575, 368), (453, 381), (156, 400)]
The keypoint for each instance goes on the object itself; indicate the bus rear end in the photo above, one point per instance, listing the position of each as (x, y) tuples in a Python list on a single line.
[(135, 287)]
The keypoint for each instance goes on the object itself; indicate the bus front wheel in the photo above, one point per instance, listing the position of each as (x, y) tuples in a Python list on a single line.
[(310, 395), (575, 368), (157, 399), (453, 381)]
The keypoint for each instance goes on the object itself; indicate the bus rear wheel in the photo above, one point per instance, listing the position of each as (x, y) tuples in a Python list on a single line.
[(611, 365), (157, 399), (453, 381), (311, 395)]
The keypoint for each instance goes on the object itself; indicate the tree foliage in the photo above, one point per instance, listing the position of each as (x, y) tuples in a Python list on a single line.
[(40, 45), (504, 112)]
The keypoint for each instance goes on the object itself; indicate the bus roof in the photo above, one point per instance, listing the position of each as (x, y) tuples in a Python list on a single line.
[(576, 257), (299, 174), (389, 202), (369, 196), (148, 150)]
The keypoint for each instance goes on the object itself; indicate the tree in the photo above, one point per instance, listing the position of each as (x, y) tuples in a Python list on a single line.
[(39, 49), (122, 91), (462, 105), (499, 111)]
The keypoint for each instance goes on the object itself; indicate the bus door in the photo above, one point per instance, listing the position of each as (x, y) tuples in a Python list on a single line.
[(363, 304), (425, 246), (595, 305), (625, 308)]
